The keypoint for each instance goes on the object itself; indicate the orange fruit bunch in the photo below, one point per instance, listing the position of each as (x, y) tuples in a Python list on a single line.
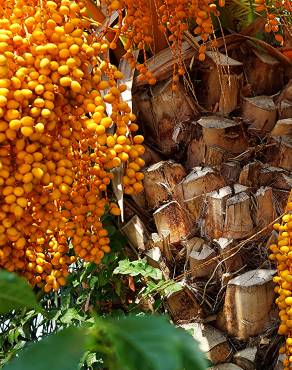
[(63, 128)]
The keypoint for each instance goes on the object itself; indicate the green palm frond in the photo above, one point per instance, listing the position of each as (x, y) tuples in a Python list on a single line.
[(237, 14)]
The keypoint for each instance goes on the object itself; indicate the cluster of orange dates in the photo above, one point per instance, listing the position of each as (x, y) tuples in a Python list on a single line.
[(274, 13), (174, 18), (281, 253), (58, 141)]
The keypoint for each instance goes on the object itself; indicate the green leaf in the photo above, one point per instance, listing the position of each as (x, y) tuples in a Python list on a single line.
[(93, 282), (151, 343), (139, 267), (15, 293), (118, 288), (91, 359), (117, 242), (60, 351), (89, 268), (70, 315), (237, 14), (163, 287), (123, 268), (171, 287), (152, 272)]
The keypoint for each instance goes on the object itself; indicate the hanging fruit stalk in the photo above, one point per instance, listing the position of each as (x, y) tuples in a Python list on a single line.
[(56, 151), (282, 255), (173, 18)]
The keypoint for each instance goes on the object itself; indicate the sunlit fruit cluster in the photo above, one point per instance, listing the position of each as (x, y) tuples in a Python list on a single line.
[(63, 127), (174, 17), (275, 12), (135, 23), (281, 253)]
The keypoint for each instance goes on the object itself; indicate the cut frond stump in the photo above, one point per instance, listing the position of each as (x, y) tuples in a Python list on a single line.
[(217, 139), (230, 172), (194, 187), (230, 93), (160, 180), (183, 306), (136, 232), (163, 243), (232, 260), (217, 88), (200, 254), (246, 358), (275, 177), (283, 127), (211, 341), (281, 197), (238, 221), (162, 112), (281, 155), (261, 113), (261, 69), (223, 133), (249, 175), (285, 110), (199, 154), (265, 213), (173, 218), (200, 180), (248, 302), (231, 220)]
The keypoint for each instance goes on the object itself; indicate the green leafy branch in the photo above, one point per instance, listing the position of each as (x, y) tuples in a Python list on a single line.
[(149, 273), (128, 343)]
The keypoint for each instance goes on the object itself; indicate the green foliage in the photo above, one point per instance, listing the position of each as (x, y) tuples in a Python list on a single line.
[(151, 343), (139, 267), (128, 343), (164, 288), (59, 351), (90, 290), (85, 325), (147, 273), (236, 14), (15, 293)]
